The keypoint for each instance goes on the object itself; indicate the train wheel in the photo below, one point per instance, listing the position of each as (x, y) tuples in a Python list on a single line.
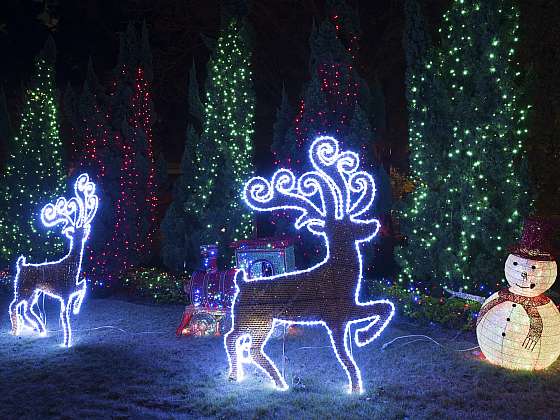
[(202, 324), (225, 323)]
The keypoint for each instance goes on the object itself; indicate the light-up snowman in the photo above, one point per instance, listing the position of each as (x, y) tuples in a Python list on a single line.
[(519, 327)]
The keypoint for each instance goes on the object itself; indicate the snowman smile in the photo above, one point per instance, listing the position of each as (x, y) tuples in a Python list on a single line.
[(532, 286)]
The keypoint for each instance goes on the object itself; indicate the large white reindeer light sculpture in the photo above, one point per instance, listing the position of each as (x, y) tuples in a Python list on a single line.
[(332, 199), (58, 279)]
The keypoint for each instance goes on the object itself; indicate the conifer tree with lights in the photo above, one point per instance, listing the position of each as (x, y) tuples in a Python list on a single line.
[(337, 102), (131, 120), (112, 134), (34, 172), (466, 132), (95, 151), (224, 156)]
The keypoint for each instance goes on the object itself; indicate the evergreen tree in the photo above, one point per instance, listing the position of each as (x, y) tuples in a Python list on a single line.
[(5, 128), (179, 226), (283, 144), (283, 148), (336, 102), (467, 129), (34, 174), (95, 150), (195, 107), (224, 155), (112, 133), (131, 119)]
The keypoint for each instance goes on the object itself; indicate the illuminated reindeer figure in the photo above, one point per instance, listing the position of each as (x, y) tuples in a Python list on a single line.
[(331, 198), (58, 279)]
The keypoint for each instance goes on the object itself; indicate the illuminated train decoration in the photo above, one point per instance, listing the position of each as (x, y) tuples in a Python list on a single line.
[(58, 279), (332, 201), (265, 257), (211, 290)]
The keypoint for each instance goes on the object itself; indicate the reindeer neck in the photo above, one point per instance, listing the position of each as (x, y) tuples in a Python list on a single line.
[(342, 248), (78, 243)]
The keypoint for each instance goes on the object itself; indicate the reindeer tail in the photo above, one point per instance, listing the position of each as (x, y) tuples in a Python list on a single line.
[(240, 278), (20, 261)]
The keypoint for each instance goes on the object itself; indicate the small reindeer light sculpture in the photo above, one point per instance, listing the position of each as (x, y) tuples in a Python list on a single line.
[(58, 279), (331, 198)]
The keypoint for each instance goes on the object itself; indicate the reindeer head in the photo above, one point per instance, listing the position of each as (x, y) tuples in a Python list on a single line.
[(76, 213), (332, 197)]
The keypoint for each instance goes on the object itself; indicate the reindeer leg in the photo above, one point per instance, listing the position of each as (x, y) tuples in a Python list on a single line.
[(236, 342), (65, 321), (38, 320), (232, 347), (260, 337), (378, 314), (339, 336), (15, 317)]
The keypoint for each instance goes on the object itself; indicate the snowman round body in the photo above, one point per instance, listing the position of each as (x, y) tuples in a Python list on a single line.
[(504, 330)]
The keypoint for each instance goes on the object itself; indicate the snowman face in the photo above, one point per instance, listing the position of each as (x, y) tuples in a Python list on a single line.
[(529, 277)]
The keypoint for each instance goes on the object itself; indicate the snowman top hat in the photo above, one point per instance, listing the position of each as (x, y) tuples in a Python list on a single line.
[(536, 240)]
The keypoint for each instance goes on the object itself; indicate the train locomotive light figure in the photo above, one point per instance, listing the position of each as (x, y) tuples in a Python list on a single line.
[(211, 291), (265, 257)]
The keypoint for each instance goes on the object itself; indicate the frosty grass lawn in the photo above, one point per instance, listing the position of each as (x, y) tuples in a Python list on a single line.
[(145, 371)]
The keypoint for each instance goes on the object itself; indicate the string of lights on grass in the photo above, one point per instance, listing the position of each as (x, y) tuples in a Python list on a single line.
[(466, 132)]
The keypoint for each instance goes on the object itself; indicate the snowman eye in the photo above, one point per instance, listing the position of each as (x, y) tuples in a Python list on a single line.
[(533, 267), (515, 263)]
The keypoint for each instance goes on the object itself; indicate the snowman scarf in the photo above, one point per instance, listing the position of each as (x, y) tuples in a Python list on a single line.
[(530, 304)]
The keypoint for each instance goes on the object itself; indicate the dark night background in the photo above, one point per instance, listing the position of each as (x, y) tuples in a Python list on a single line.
[(179, 29)]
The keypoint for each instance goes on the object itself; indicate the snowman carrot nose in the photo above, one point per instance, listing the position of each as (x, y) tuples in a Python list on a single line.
[(524, 275)]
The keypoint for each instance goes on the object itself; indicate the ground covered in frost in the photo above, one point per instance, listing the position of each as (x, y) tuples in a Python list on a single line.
[(127, 362)]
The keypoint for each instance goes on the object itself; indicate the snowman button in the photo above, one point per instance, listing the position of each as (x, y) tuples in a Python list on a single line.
[(508, 319), (514, 305), (503, 334)]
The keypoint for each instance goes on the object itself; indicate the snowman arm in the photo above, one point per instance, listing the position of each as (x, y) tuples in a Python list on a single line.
[(535, 328)]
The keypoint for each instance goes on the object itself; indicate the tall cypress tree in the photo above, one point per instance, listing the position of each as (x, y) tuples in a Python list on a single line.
[(336, 102), (6, 132), (224, 158), (179, 226), (467, 129), (34, 174), (194, 104), (131, 120), (283, 144), (96, 151)]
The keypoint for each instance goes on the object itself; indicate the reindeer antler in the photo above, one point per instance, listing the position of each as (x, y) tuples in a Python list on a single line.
[(352, 190), (335, 175), (283, 193), (84, 190), (76, 212)]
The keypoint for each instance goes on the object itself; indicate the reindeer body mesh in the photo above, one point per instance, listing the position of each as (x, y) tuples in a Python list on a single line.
[(330, 199)]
